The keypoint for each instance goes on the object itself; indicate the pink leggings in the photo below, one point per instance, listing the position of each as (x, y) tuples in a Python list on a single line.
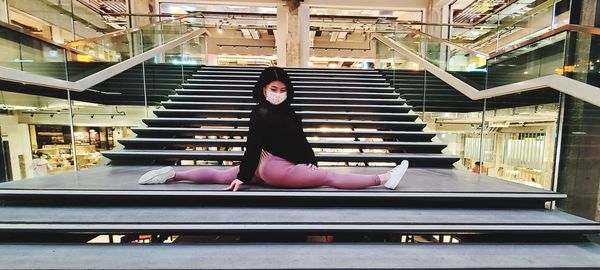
[(279, 172)]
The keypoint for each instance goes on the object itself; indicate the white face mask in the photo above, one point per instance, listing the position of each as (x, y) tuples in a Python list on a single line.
[(275, 98)]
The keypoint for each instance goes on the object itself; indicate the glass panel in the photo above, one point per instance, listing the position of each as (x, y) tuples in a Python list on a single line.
[(106, 113), (110, 49), (521, 135), (33, 123), (24, 52), (545, 57), (462, 62)]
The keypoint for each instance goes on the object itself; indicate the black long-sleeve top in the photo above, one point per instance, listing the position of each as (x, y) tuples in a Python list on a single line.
[(278, 130)]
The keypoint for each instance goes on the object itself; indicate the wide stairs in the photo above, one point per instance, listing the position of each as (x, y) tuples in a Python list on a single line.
[(437, 218)]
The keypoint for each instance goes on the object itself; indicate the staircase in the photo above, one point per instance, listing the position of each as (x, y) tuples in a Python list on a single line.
[(438, 218), (155, 81), (212, 110)]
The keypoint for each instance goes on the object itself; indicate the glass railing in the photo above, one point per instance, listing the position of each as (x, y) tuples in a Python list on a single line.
[(25, 52), (39, 117), (555, 52), (117, 47), (514, 135), (76, 60)]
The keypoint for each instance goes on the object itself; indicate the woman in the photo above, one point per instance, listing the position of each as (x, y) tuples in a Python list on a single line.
[(277, 151), (39, 164)]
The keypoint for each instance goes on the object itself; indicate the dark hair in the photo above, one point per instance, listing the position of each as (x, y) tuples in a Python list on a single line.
[(38, 153), (477, 163), (269, 75)]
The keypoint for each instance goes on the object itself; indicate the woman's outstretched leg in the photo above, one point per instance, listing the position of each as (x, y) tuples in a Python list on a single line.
[(204, 175), (279, 172)]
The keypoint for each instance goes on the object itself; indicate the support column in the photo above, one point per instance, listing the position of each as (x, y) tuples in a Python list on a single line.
[(4, 11), (293, 27), (304, 34), (282, 35), (578, 175), (141, 7)]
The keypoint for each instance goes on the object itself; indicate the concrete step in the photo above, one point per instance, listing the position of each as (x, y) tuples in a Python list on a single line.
[(299, 70), (308, 123), (290, 73), (379, 89), (300, 107), (295, 82), (298, 100), (420, 188), (165, 113), (323, 220), (301, 256), (309, 93), (183, 143), (123, 157), (293, 76), (170, 132)]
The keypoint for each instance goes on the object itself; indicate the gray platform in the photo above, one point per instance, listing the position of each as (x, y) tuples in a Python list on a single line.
[(300, 256), (288, 219), (417, 183)]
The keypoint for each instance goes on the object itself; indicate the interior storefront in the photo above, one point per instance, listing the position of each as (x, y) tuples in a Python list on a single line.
[(55, 142)]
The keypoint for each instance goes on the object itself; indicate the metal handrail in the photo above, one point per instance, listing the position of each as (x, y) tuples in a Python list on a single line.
[(23, 77), (564, 28), (441, 40), (556, 31), (125, 31), (560, 83)]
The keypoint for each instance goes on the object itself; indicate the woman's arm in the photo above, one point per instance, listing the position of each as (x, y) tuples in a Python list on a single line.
[(309, 153), (254, 143)]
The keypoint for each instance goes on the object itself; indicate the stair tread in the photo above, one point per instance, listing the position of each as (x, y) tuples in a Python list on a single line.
[(301, 256), (299, 112), (170, 131), (222, 219), (422, 183), (296, 99), (311, 141), (240, 153), (295, 86), (290, 73), (224, 91), (300, 105), (292, 76)]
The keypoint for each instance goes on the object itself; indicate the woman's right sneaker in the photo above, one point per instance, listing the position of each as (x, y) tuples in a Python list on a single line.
[(158, 176), (396, 175)]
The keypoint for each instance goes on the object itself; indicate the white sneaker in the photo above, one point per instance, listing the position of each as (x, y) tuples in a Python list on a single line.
[(396, 175), (158, 176)]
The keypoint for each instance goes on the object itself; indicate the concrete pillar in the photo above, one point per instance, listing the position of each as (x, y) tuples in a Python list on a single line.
[(141, 7), (56, 34), (282, 35), (578, 175), (293, 27), (304, 34), (4, 11), (211, 59)]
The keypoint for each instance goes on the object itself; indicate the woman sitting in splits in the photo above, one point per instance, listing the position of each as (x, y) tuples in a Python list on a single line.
[(277, 151)]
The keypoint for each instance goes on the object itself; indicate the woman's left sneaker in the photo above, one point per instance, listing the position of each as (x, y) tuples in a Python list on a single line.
[(158, 176), (396, 175)]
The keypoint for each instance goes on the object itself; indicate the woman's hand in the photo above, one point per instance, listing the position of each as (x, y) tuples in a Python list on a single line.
[(311, 166), (235, 185)]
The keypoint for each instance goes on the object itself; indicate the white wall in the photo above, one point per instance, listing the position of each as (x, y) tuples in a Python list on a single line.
[(17, 136)]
